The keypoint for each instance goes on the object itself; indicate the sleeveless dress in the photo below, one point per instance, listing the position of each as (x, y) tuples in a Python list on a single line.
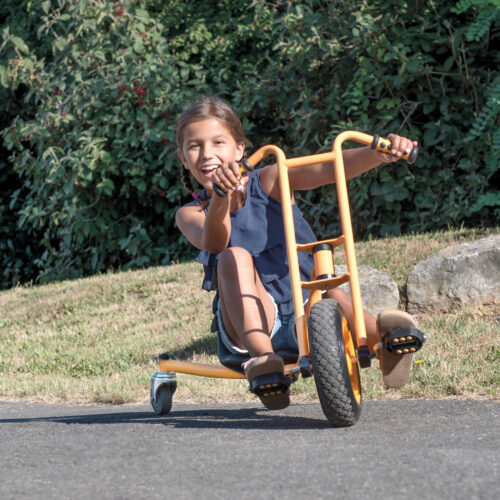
[(258, 227)]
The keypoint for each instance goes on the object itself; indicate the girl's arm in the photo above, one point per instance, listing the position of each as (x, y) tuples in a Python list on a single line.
[(209, 231), (356, 162)]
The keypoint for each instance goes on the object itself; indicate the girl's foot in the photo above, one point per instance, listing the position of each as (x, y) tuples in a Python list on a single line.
[(396, 365), (267, 379)]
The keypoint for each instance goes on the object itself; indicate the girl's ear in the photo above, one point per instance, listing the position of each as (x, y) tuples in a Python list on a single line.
[(181, 156), (240, 151)]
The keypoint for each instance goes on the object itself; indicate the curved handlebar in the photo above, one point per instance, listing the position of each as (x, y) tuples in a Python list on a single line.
[(376, 142)]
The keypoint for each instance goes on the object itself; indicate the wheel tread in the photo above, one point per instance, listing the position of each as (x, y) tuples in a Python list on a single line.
[(328, 361)]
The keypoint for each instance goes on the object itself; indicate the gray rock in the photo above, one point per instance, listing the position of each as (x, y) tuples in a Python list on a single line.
[(378, 290), (456, 276)]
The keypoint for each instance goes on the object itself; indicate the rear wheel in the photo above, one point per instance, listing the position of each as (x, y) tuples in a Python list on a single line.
[(334, 363)]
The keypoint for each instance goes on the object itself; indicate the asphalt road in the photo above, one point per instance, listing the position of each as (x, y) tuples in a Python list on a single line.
[(398, 449)]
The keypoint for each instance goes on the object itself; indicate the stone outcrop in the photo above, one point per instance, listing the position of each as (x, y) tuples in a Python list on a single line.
[(456, 276), (378, 290)]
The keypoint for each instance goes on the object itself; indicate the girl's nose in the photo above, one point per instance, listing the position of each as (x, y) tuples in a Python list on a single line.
[(207, 152)]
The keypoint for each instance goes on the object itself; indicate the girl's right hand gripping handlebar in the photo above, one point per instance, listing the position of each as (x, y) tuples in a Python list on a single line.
[(245, 167), (378, 143), (384, 145)]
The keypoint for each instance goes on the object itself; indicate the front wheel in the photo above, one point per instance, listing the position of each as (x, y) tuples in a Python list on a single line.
[(334, 363)]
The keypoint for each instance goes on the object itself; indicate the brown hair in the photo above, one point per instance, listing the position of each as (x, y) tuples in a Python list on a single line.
[(208, 107)]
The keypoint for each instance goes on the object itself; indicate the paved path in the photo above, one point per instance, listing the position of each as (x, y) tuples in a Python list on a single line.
[(398, 449)]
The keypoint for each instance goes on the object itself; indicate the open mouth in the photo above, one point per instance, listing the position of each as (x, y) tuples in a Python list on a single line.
[(209, 170)]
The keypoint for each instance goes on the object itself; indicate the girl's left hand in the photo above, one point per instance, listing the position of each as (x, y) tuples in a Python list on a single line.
[(400, 146), (227, 176)]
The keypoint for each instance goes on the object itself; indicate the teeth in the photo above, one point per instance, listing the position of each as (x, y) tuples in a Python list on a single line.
[(210, 168)]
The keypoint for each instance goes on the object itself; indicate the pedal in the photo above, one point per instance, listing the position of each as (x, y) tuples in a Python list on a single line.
[(404, 340), (272, 384), (364, 357)]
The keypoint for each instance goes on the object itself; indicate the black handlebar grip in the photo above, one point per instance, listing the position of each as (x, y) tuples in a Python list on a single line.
[(246, 166), (413, 155), (384, 145), (218, 191)]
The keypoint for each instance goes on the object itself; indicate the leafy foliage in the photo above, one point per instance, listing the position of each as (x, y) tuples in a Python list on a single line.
[(365, 66), (488, 11), (95, 145), (91, 88)]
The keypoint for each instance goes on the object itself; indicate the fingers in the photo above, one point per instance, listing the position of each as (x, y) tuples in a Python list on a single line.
[(227, 176), (400, 146)]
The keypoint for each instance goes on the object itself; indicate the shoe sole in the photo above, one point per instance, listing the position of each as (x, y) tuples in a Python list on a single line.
[(396, 368), (268, 381)]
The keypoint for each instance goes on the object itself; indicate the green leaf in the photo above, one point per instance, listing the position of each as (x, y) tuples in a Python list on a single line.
[(138, 46), (20, 44), (414, 64), (4, 80), (60, 43), (491, 199), (106, 157), (143, 16), (107, 185)]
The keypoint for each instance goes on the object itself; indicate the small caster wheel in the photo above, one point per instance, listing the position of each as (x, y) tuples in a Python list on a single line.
[(162, 403), (163, 386)]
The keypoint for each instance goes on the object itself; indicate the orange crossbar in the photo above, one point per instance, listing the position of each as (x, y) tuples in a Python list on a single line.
[(170, 365)]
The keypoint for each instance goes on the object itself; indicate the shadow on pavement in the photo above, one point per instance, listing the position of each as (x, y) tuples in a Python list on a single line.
[(223, 418)]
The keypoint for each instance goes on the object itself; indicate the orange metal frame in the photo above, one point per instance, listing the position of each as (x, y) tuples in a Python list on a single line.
[(323, 262)]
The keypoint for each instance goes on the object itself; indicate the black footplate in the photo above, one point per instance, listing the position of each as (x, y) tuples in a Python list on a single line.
[(272, 384), (404, 340)]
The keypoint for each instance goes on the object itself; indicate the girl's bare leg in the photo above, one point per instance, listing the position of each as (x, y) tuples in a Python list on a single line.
[(370, 322), (247, 311)]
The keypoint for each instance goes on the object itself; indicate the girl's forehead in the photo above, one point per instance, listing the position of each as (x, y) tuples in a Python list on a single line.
[(209, 127)]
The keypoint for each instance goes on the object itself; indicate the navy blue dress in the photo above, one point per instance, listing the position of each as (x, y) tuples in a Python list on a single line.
[(258, 227)]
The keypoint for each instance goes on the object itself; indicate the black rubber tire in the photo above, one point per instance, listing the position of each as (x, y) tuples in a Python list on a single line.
[(162, 404), (328, 359)]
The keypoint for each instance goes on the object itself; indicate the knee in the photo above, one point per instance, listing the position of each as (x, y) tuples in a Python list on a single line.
[(233, 259)]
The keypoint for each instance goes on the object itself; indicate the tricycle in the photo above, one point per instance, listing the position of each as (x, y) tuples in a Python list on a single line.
[(329, 347)]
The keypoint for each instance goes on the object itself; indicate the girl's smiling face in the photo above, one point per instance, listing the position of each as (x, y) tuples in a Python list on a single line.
[(206, 145)]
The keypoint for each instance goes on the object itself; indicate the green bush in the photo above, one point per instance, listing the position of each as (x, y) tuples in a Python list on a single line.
[(95, 148), (91, 88), (383, 66)]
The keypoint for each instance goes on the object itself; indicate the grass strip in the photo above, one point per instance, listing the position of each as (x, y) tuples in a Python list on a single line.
[(96, 340)]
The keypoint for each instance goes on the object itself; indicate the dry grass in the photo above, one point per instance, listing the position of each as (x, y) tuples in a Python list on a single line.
[(97, 339)]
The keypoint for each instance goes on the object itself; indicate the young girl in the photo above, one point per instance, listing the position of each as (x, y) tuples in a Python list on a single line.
[(243, 250)]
